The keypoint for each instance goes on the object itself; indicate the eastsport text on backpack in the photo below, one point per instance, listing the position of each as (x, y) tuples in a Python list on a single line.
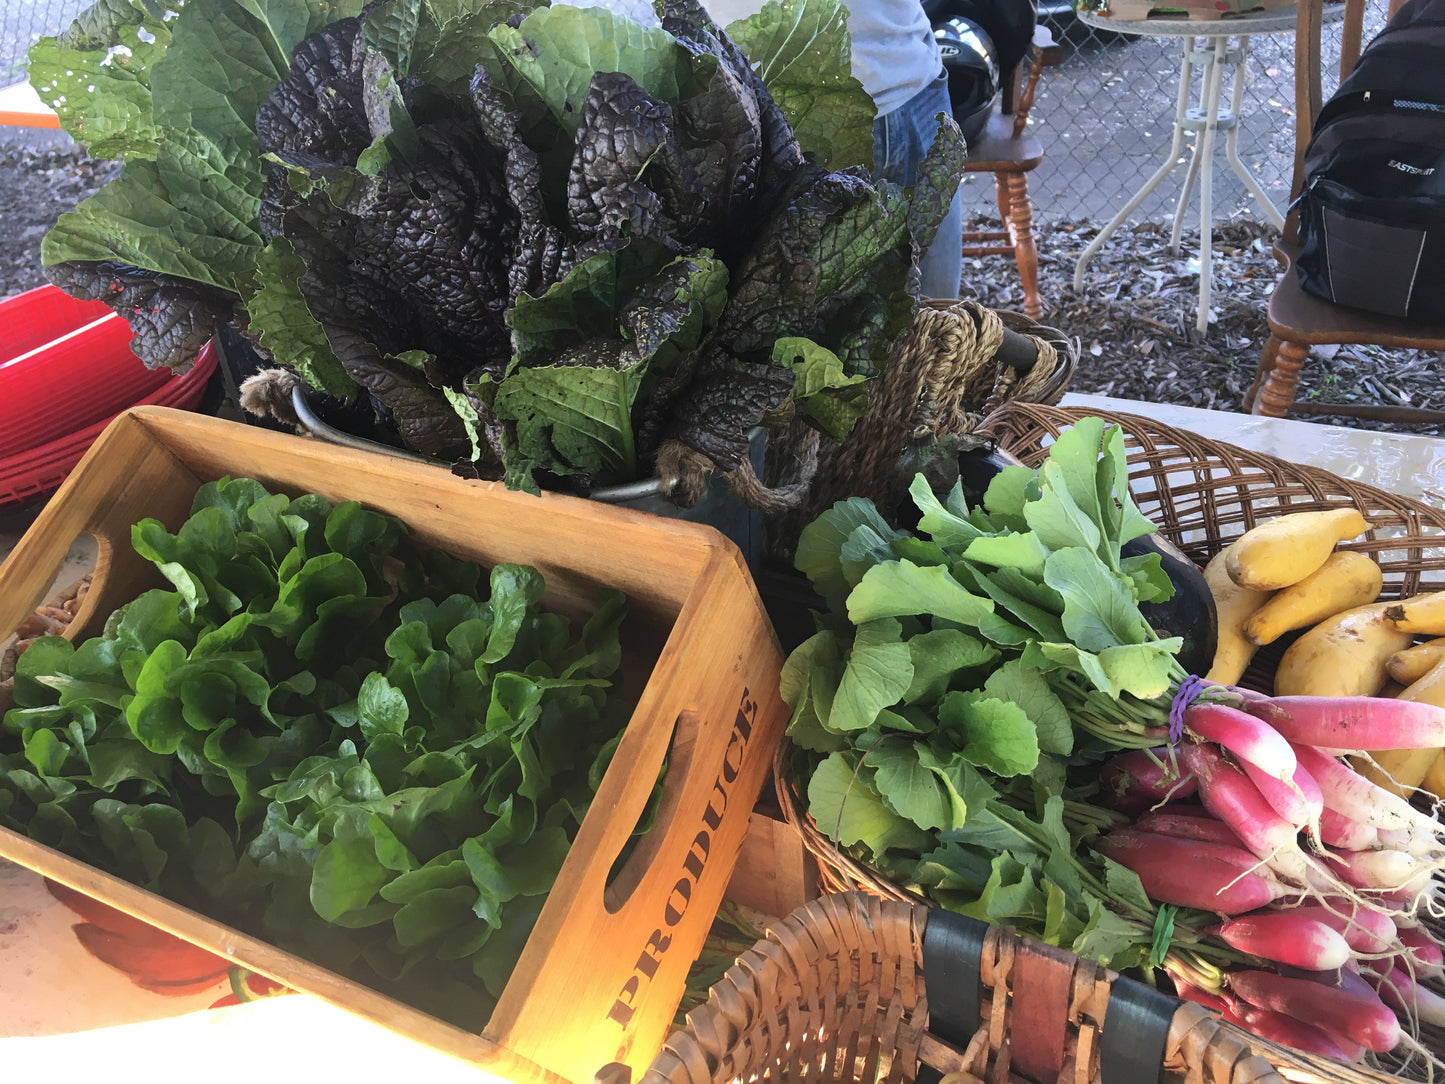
[(1372, 213)]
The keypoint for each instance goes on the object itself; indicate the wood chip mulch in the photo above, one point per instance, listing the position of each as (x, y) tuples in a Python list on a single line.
[(1135, 322)]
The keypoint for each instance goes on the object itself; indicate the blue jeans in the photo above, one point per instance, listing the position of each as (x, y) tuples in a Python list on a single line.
[(900, 140)]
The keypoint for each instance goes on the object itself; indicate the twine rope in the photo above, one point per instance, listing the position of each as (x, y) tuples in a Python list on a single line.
[(943, 377), (268, 392), (686, 472)]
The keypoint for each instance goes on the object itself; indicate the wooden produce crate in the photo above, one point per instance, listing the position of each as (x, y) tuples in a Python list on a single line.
[(605, 966)]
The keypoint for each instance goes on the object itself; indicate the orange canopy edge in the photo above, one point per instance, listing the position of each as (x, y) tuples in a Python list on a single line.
[(21, 107)]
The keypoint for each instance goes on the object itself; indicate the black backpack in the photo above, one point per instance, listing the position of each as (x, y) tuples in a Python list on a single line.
[(1372, 211)]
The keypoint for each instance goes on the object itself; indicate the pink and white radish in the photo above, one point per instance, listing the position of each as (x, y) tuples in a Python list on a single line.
[(1187, 822), (1230, 795), (1248, 738), (1402, 993), (1189, 992), (1192, 873), (1351, 795), (1420, 844), (1353, 722), (1364, 929), (1353, 1013), (1141, 778), (1298, 801), (1425, 955), (1337, 830), (1387, 871), (1287, 937), (1280, 1028)]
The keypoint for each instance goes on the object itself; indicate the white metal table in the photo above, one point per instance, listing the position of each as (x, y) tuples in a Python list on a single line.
[(1211, 55)]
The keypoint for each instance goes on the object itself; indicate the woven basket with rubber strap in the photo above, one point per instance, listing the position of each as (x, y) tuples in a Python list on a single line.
[(859, 990), (1202, 494), (958, 362)]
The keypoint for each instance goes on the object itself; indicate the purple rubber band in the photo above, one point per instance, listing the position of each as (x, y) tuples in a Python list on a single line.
[(1189, 688)]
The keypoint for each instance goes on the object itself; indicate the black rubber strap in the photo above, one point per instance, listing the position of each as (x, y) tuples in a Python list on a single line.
[(1135, 1030), (952, 958)]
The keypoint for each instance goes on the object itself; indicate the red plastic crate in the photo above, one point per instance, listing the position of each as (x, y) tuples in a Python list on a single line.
[(35, 317), (39, 470), (83, 374)]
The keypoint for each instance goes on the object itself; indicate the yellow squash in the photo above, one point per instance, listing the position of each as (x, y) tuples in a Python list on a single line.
[(1234, 605), (1403, 770), (1346, 580), (1284, 550), (1398, 770), (1434, 781), (1343, 656), (1423, 614), (1413, 663)]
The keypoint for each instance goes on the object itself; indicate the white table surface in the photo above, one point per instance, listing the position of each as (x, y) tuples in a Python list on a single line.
[(1403, 463), (1175, 26)]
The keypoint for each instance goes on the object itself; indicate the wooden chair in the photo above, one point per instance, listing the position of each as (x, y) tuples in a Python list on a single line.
[(1297, 320), (1008, 151)]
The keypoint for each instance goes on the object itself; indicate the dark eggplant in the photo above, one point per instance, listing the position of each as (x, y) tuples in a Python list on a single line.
[(1190, 613), (977, 467)]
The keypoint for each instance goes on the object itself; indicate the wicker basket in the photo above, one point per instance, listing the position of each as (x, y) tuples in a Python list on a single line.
[(839, 991), (1203, 494)]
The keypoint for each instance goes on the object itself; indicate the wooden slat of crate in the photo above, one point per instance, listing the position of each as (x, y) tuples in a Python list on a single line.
[(605, 966), (774, 873)]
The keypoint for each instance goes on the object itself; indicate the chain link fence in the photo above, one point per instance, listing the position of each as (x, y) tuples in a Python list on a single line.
[(1106, 118), (22, 22)]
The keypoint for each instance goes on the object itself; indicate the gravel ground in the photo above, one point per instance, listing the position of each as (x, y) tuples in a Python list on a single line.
[(37, 187), (1134, 319)]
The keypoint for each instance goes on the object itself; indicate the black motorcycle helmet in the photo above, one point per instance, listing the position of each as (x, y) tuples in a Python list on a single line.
[(971, 61), (1010, 23)]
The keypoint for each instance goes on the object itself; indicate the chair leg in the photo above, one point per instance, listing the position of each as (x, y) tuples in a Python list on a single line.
[(1278, 390), (1266, 365), (1019, 222), (1001, 197)]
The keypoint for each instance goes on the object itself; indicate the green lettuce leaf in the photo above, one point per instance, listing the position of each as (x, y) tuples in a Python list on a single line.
[(558, 49), (285, 326), (833, 398), (112, 48), (846, 809), (878, 673), (994, 734), (802, 51), (910, 788), (904, 589), (122, 222)]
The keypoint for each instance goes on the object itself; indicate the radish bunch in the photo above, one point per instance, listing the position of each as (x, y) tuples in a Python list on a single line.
[(1320, 876)]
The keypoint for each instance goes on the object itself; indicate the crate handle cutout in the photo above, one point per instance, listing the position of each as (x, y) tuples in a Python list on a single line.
[(87, 504), (654, 917), (629, 866)]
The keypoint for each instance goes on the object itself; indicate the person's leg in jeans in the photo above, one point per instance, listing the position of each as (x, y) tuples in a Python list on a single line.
[(900, 140)]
